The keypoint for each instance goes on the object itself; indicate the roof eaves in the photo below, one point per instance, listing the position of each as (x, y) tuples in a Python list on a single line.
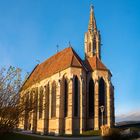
[(28, 77)]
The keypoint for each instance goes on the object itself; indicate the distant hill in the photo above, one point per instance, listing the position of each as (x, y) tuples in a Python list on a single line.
[(128, 124), (130, 117)]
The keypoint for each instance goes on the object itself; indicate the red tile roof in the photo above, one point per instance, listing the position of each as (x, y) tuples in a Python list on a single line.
[(58, 62), (94, 62)]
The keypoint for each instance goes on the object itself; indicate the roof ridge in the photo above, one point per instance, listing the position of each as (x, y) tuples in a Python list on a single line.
[(50, 66), (53, 56)]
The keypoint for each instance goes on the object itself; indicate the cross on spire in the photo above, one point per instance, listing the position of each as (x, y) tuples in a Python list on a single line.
[(69, 44), (57, 46)]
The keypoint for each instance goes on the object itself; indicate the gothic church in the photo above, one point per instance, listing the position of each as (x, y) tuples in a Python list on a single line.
[(69, 92)]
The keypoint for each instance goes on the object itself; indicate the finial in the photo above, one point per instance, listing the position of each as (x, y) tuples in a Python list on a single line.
[(69, 44), (38, 61), (57, 46), (91, 7)]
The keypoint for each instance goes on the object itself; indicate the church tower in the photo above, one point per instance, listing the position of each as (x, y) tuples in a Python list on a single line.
[(70, 95), (92, 38)]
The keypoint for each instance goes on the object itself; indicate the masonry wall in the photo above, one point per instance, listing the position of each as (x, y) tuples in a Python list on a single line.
[(69, 124)]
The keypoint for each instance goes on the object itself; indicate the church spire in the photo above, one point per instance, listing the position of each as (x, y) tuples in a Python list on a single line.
[(92, 21), (92, 37)]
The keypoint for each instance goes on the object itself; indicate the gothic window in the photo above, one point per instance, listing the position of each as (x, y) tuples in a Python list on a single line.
[(26, 110), (89, 48), (65, 98), (102, 94), (40, 103), (53, 100), (27, 105), (31, 100), (35, 99), (91, 98), (76, 96), (47, 91), (94, 45)]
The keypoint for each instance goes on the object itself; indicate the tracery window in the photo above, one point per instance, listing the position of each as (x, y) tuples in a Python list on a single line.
[(41, 103), (53, 100), (91, 98), (102, 98), (76, 84), (65, 98)]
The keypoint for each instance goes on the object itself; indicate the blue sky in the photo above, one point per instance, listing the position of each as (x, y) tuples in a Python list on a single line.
[(31, 29)]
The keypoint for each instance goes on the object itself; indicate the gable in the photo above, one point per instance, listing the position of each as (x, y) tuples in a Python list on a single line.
[(58, 62), (95, 63)]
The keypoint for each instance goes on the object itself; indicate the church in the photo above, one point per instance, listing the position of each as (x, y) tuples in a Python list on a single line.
[(70, 95)]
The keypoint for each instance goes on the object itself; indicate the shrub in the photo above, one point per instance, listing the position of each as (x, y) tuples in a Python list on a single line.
[(92, 133)]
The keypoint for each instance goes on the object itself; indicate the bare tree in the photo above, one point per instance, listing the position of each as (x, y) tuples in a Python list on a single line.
[(10, 109)]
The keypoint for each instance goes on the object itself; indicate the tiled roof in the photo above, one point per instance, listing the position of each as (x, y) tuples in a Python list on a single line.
[(94, 62), (58, 62)]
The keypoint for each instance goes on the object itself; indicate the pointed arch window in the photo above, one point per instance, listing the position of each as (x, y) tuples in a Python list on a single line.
[(27, 104), (47, 92), (76, 84), (53, 100), (41, 103), (91, 98), (31, 101), (102, 98), (94, 45), (35, 101), (101, 92), (89, 48), (65, 98)]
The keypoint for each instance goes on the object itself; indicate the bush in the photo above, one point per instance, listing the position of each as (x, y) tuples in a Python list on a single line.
[(114, 134), (92, 133)]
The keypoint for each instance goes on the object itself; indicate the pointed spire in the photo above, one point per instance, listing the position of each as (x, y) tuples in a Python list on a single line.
[(92, 21)]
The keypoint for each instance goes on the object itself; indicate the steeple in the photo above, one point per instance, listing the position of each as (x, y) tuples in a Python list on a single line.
[(92, 21), (92, 37)]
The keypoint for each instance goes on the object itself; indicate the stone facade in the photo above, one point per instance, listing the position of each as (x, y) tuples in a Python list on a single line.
[(68, 100)]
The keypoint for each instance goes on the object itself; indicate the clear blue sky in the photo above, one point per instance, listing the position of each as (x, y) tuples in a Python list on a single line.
[(31, 29)]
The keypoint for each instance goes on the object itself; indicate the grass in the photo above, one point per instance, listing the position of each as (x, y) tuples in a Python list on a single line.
[(87, 133), (15, 136)]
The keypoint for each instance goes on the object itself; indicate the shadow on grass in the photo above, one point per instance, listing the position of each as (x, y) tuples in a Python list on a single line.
[(16, 136)]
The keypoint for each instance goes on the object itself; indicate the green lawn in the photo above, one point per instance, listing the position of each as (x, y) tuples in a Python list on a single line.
[(15, 136)]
